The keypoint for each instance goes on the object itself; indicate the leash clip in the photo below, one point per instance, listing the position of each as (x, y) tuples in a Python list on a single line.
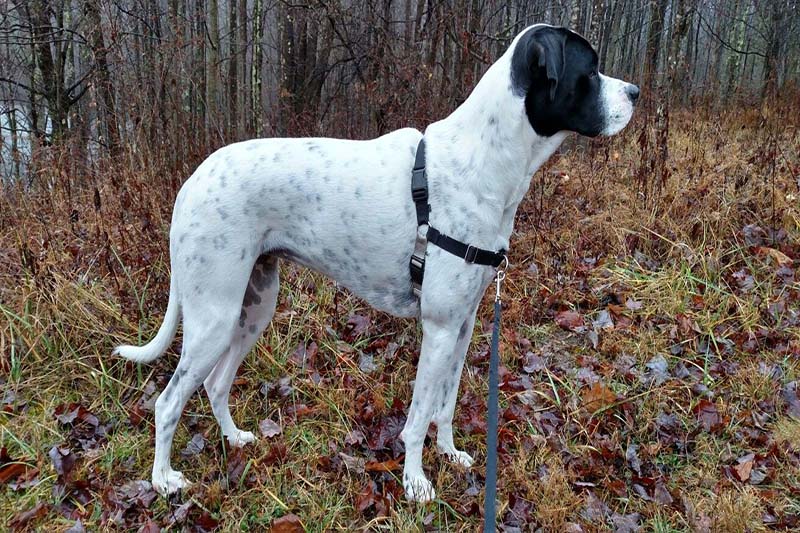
[(499, 276)]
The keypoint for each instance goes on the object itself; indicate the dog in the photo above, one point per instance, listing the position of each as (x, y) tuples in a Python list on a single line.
[(344, 208)]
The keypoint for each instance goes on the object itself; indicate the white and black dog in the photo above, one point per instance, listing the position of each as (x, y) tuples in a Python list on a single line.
[(344, 208)]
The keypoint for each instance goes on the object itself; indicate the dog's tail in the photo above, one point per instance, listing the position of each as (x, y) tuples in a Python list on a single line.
[(153, 349)]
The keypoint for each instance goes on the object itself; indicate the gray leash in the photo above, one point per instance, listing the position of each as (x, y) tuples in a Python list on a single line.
[(489, 503)]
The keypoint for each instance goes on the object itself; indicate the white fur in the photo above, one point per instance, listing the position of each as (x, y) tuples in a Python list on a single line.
[(344, 208), (618, 105)]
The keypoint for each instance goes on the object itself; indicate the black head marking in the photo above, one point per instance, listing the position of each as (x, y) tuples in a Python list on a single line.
[(555, 70)]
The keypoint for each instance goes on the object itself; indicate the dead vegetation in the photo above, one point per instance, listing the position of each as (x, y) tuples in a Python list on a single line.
[(651, 356)]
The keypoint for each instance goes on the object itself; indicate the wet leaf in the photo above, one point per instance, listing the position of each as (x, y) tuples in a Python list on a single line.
[(289, 523), (353, 464), (628, 523), (21, 520), (744, 466), (632, 457), (597, 397), (366, 363), (533, 363), (63, 461), (661, 494), (391, 465), (367, 497), (194, 446), (77, 527), (12, 469), (657, 370), (269, 429), (571, 320), (708, 416), (356, 326), (603, 321)]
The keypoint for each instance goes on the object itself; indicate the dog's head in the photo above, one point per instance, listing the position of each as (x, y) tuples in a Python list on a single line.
[(556, 71)]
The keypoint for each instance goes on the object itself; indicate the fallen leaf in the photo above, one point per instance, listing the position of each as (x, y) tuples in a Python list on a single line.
[(366, 363), (533, 363), (367, 497), (22, 519), (628, 523), (353, 464), (743, 466), (708, 416), (603, 321), (289, 523), (63, 460), (386, 466), (357, 325), (77, 527), (269, 429), (571, 320), (780, 258), (632, 457), (597, 397), (194, 446), (661, 494)]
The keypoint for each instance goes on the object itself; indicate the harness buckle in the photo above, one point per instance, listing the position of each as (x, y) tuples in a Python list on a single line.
[(416, 264), (471, 255)]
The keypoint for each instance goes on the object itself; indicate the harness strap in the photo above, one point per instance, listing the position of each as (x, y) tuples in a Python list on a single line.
[(467, 252)]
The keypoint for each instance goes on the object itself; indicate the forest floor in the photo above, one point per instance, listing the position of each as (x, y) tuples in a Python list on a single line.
[(650, 357)]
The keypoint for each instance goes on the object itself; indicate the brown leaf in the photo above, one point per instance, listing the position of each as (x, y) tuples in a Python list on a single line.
[(367, 497), (571, 320), (11, 471), (21, 519), (289, 523), (63, 460), (744, 466), (597, 397), (386, 466), (150, 527), (357, 325), (269, 429), (780, 258), (708, 415)]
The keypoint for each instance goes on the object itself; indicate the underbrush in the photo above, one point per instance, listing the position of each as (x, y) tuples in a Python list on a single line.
[(651, 356)]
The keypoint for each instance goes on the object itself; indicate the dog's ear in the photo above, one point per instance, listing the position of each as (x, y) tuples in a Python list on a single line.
[(539, 59)]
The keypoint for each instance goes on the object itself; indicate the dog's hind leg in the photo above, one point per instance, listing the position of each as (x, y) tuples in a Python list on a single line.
[(443, 417), (208, 327), (258, 307)]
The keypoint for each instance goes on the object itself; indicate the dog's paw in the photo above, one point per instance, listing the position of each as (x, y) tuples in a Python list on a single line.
[(169, 482), (457, 456), (240, 438), (418, 489)]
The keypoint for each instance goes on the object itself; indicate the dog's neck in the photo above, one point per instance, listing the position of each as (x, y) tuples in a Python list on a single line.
[(490, 138)]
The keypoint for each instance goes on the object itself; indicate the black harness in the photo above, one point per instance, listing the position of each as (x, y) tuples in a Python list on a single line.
[(426, 234)]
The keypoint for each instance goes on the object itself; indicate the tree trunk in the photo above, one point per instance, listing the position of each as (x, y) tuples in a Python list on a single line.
[(212, 88), (104, 84), (255, 83), (233, 72)]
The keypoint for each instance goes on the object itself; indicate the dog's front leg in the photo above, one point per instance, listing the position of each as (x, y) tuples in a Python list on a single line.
[(437, 365), (443, 417)]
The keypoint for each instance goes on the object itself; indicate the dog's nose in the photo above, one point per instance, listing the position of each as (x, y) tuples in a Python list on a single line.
[(633, 93)]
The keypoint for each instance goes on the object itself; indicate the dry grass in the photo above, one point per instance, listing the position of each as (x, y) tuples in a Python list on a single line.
[(81, 271)]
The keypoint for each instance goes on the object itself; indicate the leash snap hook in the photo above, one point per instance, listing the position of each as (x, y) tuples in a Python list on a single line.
[(499, 276)]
